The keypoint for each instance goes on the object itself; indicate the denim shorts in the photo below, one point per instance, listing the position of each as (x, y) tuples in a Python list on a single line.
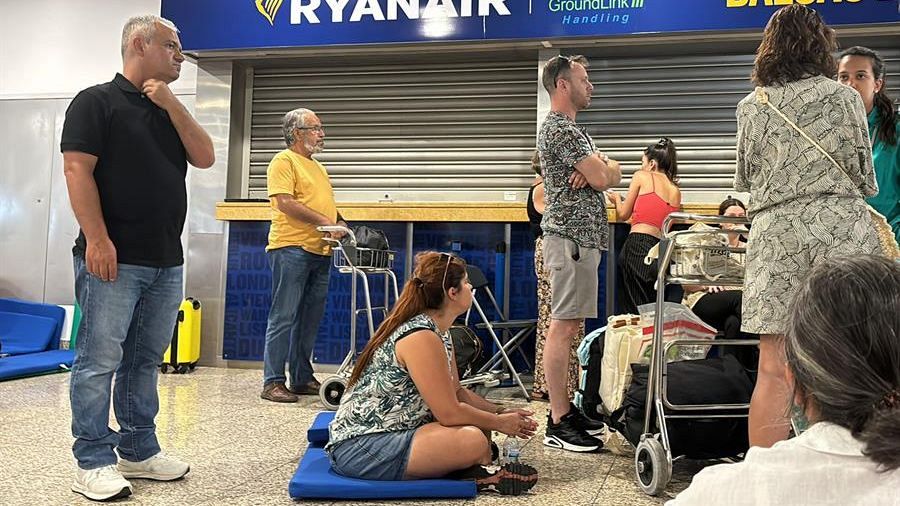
[(380, 456)]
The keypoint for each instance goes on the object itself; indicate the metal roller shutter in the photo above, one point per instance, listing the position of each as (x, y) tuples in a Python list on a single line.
[(421, 129), (690, 99), (451, 130)]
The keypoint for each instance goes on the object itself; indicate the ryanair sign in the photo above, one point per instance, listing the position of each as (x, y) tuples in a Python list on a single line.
[(339, 11), (210, 25)]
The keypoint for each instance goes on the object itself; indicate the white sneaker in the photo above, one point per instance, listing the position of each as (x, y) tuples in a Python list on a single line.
[(159, 467), (101, 484)]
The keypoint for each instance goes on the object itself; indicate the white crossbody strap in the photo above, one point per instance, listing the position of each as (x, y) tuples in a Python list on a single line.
[(879, 221), (763, 98)]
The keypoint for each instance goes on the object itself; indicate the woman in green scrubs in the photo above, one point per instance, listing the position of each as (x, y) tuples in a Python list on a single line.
[(863, 69)]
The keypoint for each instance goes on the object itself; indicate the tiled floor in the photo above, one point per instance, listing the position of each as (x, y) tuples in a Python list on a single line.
[(244, 450)]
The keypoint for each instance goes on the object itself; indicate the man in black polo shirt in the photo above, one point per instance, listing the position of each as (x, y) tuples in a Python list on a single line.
[(126, 145)]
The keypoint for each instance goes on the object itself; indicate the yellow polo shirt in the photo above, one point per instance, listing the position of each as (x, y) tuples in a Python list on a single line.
[(307, 181)]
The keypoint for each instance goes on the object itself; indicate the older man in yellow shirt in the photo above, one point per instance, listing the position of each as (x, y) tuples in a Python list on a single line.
[(302, 200)]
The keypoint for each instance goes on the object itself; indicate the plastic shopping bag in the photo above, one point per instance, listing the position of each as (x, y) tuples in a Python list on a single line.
[(679, 322)]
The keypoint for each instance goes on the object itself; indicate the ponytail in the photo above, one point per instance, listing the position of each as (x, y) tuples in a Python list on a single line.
[(881, 437), (435, 273), (887, 118), (666, 157)]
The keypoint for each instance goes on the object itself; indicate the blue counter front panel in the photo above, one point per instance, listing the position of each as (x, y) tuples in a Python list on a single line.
[(248, 294)]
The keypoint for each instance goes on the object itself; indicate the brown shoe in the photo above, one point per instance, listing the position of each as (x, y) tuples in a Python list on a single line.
[(310, 388), (276, 392)]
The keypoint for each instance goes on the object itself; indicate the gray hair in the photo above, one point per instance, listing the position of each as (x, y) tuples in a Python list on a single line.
[(144, 27), (293, 120), (843, 346)]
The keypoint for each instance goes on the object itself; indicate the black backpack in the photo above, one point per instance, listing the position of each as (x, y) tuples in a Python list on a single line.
[(589, 389), (720, 380), (468, 349), (368, 240)]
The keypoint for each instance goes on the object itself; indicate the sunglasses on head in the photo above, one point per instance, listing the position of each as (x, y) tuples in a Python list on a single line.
[(562, 63), (446, 269)]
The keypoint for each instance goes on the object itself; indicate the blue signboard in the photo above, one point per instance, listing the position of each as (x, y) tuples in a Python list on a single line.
[(245, 24)]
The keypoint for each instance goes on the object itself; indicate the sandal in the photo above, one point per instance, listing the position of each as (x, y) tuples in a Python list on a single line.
[(513, 478)]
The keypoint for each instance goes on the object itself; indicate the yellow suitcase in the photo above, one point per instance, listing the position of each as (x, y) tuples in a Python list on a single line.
[(184, 352)]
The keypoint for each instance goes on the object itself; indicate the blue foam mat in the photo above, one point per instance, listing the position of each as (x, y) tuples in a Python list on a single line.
[(38, 309), (315, 479), (32, 364), (317, 435)]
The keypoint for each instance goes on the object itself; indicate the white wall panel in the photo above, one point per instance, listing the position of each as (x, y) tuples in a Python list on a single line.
[(51, 48), (27, 128)]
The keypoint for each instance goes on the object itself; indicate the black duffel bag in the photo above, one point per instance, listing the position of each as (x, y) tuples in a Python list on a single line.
[(371, 247), (720, 380)]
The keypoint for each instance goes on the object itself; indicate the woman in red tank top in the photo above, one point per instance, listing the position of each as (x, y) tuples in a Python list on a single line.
[(652, 195)]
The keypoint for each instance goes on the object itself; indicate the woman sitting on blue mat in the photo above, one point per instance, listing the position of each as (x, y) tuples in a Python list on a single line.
[(404, 415)]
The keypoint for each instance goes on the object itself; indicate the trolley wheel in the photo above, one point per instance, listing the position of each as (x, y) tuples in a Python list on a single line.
[(183, 369), (651, 467), (193, 366), (164, 368), (332, 390)]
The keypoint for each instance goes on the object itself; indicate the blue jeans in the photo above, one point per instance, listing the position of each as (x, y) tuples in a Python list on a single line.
[(126, 326), (299, 289)]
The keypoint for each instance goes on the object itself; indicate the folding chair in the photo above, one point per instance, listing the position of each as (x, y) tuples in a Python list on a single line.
[(515, 332)]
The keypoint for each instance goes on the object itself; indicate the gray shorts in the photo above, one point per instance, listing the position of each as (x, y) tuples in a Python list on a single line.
[(573, 278), (379, 456)]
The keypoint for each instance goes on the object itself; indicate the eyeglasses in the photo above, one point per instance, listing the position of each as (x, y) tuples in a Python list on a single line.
[(446, 270), (562, 63), (315, 128)]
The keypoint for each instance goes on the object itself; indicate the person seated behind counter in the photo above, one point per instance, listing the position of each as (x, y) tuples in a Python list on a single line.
[(720, 306), (843, 360), (404, 415)]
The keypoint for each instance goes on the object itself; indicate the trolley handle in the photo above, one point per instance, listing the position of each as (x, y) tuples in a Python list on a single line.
[(679, 217), (338, 228)]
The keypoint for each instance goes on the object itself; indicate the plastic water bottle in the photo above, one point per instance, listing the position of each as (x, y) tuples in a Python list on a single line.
[(512, 448)]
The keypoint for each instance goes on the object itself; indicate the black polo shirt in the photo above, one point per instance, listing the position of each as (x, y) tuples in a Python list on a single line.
[(140, 171)]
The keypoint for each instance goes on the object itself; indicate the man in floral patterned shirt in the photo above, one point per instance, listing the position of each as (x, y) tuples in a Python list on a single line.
[(575, 231)]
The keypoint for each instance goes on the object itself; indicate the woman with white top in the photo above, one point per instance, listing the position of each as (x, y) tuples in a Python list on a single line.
[(842, 348)]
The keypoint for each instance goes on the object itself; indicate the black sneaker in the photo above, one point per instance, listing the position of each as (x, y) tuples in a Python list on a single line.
[(511, 479), (568, 436), (593, 427)]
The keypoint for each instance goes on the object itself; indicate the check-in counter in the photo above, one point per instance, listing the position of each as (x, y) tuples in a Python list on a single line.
[(495, 236)]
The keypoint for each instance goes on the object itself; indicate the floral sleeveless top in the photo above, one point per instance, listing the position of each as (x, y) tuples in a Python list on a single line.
[(385, 399)]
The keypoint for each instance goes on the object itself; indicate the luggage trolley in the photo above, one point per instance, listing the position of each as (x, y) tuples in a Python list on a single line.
[(359, 262), (653, 455)]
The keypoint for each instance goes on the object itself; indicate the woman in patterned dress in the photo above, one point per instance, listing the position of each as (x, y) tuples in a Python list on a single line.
[(804, 208), (404, 415)]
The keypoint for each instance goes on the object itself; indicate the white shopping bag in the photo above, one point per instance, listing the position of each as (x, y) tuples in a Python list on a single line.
[(623, 332)]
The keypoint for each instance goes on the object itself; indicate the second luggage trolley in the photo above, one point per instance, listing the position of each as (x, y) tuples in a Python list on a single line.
[(360, 263), (653, 455)]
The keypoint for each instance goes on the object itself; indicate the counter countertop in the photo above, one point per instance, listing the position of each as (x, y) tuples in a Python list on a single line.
[(484, 212)]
